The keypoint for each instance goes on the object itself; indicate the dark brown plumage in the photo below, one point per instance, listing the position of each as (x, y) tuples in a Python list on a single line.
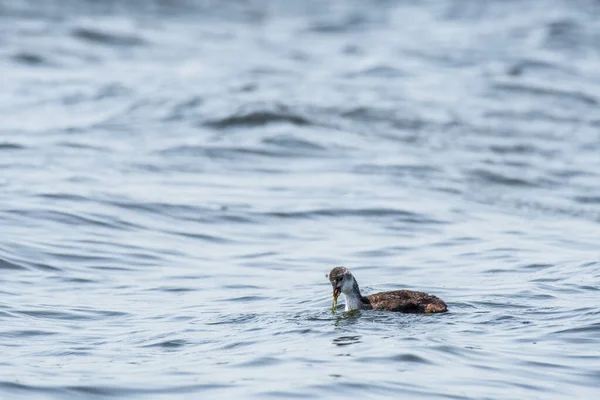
[(406, 301)]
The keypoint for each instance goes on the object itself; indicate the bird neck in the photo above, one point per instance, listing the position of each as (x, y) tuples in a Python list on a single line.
[(353, 297)]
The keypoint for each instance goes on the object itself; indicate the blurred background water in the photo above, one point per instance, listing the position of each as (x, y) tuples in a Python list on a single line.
[(177, 177)]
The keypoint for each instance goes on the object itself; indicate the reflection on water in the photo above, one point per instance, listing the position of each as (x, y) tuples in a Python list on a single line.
[(344, 319), (346, 340)]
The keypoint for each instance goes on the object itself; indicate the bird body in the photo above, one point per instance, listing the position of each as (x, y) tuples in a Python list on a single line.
[(407, 301)]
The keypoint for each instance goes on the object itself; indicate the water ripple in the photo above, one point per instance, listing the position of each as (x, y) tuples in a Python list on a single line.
[(258, 118)]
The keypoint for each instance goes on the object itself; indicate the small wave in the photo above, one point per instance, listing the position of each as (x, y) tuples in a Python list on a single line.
[(531, 89), (537, 266), (416, 170), (184, 109), (169, 344), (8, 265), (523, 66), (582, 329), (258, 118), (587, 199), (236, 345), (76, 314), (382, 252), (183, 210), (11, 146), (564, 34), (347, 340), (234, 319), (235, 153), (196, 213), (107, 38), (378, 71), (242, 286), (63, 196), (200, 236), (497, 178), (539, 207), (250, 256), (14, 259), (537, 115), (77, 281), (245, 299), (290, 142), (358, 212), (31, 59), (29, 333), (519, 149), (346, 24), (74, 219), (260, 362), (401, 358), (174, 289), (82, 391)]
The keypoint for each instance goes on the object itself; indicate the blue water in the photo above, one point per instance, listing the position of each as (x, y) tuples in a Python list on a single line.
[(176, 179)]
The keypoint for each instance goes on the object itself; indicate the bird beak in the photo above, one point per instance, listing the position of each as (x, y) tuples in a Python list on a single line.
[(336, 293)]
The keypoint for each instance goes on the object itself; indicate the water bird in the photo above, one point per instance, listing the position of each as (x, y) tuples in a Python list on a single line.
[(406, 301)]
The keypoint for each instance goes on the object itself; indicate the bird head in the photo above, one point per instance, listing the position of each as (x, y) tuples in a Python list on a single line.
[(341, 280)]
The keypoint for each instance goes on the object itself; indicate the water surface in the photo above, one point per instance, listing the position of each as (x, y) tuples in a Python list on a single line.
[(176, 179)]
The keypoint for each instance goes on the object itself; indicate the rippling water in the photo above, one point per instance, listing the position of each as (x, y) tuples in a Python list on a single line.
[(177, 177)]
